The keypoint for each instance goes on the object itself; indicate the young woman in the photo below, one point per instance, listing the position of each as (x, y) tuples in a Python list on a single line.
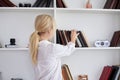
[(46, 55)]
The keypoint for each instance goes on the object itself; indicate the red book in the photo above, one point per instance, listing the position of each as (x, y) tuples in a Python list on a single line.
[(107, 70)]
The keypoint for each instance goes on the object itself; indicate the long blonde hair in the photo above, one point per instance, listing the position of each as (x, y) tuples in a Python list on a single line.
[(43, 23)]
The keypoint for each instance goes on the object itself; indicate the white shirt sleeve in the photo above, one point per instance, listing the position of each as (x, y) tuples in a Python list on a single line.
[(61, 50)]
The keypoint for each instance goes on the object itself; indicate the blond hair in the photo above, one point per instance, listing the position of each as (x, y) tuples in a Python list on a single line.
[(43, 23)]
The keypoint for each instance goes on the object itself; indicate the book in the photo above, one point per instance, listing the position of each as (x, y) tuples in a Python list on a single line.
[(117, 77), (42, 3), (3, 4), (60, 4), (48, 3), (52, 3), (115, 41), (82, 39), (66, 72), (37, 3), (114, 4), (61, 37), (118, 6), (65, 37), (58, 40), (115, 71), (86, 40), (108, 4), (7, 3), (105, 75)]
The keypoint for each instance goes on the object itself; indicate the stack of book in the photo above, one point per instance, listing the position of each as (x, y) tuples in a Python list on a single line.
[(43, 3), (61, 4), (110, 73), (6, 3), (66, 72), (115, 41), (64, 36), (112, 4)]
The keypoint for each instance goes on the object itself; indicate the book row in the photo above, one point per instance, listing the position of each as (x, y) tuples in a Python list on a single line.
[(64, 36), (110, 73), (109, 4), (38, 3), (66, 72)]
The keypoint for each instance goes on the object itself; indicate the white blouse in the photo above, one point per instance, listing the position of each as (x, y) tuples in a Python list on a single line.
[(49, 63)]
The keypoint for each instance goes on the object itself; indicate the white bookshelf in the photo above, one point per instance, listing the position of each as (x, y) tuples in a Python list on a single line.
[(97, 23)]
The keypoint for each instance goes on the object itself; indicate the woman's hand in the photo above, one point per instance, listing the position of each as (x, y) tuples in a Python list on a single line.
[(74, 35)]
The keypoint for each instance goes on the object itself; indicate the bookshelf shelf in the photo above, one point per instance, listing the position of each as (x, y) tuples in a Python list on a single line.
[(83, 10), (13, 49), (76, 49), (25, 9), (98, 48)]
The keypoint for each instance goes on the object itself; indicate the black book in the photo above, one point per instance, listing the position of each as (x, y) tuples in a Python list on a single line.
[(43, 3), (108, 4), (118, 6), (113, 75), (48, 3), (82, 39), (52, 3), (36, 4), (61, 37), (58, 40), (40, 3)]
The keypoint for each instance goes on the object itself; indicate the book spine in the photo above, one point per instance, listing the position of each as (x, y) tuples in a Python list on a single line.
[(83, 39), (114, 4), (52, 3), (108, 4), (43, 3), (58, 37), (118, 6), (115, 38), (9, 3), (118, 74), (3, 4), (60, 4), (78, 42), (37, 3), (48, 3), (61, 37), (66, 41)]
